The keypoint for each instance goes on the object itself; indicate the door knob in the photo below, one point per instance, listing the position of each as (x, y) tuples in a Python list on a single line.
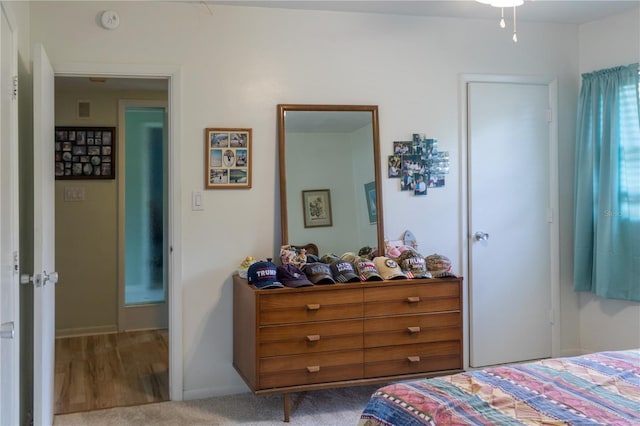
[(39, 279), (481, 236), (52, 277)]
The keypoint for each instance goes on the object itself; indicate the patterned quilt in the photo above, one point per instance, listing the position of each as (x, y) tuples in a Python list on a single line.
[(597, 389)]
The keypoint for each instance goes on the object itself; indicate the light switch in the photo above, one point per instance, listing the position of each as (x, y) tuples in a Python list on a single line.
[(196, 201), (72, 193)]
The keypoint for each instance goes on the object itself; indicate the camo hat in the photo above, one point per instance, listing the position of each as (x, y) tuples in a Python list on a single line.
[(413, 264), (439, 266)]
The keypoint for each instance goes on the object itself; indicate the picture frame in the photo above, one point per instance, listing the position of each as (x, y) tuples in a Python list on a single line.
[(84, 152), (372, 204), (316, 207), (227, 158)]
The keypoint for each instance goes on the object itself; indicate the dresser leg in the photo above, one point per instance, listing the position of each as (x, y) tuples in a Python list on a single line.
[(286, 397)]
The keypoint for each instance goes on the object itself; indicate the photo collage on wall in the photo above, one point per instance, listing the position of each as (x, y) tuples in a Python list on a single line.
[(84, 152), (228, 154), (418, 164)]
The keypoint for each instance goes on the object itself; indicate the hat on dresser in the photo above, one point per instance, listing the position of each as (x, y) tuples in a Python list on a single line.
[(349, 256), (343, 272), (291, 276), (413, 264), (439, 266), (318, 273), (263, 275), (388, 268), (367, 269), (328, 258)]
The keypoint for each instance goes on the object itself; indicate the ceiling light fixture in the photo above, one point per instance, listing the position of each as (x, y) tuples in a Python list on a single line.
[(502, 4)]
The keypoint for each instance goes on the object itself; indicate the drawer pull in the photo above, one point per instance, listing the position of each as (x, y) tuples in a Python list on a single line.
[(413, 330), (313, 306), (313, 368), (313, 337), (413, 299), (413, 359)]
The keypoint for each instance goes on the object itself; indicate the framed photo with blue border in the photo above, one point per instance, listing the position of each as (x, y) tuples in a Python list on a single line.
[(372, 204)]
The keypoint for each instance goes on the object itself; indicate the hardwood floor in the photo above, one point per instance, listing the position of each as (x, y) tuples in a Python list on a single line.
[(111, 370)]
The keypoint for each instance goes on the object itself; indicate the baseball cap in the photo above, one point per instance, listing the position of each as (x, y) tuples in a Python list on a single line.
[(388, 268), (318, 273), (413, 264), (367, 269), (263, 274), (328, 258), (349, 256), (367, 252), (312, 258), (439, 266), (344, 272), (291, 276)]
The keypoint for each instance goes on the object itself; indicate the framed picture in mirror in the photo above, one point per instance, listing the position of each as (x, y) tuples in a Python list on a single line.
[(228, 158), (316, 205), (370, 195)]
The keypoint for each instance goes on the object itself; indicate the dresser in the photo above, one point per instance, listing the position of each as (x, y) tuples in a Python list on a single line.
[(297, 339)]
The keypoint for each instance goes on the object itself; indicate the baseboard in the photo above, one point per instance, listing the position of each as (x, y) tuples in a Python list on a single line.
[(212, 392), (86, 331), (571, 352)]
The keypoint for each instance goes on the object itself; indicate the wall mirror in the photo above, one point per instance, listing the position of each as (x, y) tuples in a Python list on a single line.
[(330, 175)]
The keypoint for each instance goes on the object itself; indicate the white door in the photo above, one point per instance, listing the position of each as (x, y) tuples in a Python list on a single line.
[(9, 226), (43, 244), (509, 223)]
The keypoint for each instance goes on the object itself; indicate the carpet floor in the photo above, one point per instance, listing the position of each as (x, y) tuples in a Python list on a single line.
[(341, 406)]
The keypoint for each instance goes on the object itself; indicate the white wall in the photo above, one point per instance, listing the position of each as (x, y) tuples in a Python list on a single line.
[(604, 323), (238, 63)]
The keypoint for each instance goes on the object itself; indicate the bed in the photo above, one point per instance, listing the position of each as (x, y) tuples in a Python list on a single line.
[(597, 389)]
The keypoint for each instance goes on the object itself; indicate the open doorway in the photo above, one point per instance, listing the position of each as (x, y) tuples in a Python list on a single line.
[(111, 351)]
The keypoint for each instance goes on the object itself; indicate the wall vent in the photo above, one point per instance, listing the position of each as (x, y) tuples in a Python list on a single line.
[(84, 109)]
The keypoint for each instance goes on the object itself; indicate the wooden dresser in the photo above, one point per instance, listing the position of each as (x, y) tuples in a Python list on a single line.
[(289, 340)]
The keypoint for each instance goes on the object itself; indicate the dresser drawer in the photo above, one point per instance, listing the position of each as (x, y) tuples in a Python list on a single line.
[(408, 329), (304, 306), (310, 337), (310, 368), (408, 359), (412, 298)]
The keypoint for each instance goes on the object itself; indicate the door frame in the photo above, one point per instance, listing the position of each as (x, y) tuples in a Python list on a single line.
[(465, 232), (174, 193)]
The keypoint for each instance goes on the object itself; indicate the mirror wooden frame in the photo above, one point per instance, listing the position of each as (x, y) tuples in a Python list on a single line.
[(282, 110)]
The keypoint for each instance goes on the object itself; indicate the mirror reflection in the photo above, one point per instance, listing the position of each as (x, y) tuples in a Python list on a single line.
[(329, 177)]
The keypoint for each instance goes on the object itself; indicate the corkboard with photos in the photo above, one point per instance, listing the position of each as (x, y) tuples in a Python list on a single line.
[(85, 152)]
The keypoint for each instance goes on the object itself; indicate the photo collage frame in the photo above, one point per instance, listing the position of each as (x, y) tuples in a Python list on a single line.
[(85, 153), (228, 158), (418, 164)]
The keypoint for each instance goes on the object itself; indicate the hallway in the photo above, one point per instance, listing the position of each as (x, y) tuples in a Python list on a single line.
[(111, 370)]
